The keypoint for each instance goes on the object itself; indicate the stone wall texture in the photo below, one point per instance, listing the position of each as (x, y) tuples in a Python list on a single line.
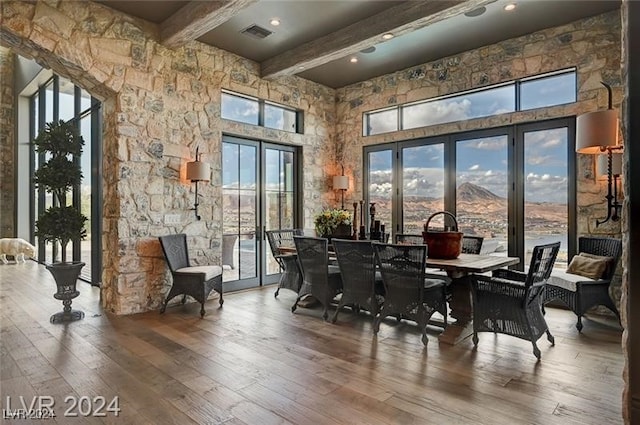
[(624, 296), (591, 45), (160, 104), (7, 144)]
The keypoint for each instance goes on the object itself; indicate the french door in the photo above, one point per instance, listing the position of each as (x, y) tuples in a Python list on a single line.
[(515, 185), (259, 182)]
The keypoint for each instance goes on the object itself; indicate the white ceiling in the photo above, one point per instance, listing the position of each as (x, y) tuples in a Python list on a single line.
[(303, 21)]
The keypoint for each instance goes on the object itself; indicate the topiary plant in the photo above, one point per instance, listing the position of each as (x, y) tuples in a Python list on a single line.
[(61, 144)]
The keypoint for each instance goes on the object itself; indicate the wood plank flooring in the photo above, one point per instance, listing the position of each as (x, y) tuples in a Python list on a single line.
[(255, 362)]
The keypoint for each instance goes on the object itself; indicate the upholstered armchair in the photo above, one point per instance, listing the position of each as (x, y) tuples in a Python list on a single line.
[(581, 293)]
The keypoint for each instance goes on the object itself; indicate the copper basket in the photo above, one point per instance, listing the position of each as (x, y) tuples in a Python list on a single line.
[(445, 245)]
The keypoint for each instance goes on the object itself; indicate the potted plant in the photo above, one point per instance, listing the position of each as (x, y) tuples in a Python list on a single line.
[(333, 222), (61, 144)]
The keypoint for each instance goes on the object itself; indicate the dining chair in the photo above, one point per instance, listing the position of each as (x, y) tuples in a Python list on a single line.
[(472, 244), (319, 279), (580, 293), (291, 276), (409, 239), (361, 284), (195, 281), (408, 292), (510, 302)]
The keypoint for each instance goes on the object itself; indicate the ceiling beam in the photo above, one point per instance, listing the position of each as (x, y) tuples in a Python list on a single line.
[(402, 19), (197, 18)]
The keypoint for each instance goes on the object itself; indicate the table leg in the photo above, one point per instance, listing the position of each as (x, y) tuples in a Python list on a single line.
[(461, 310)]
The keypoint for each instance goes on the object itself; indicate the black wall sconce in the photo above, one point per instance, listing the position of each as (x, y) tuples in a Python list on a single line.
[(609, 168), (597, 133), (197, 171)]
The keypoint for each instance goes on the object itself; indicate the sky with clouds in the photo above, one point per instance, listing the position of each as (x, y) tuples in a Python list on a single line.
[(482, 162)]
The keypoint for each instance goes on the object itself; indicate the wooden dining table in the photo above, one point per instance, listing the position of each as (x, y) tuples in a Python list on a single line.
[(461, 304)]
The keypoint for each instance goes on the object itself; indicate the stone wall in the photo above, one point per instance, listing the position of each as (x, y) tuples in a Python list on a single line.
[(591, 45), (159, 105), (7, 145)]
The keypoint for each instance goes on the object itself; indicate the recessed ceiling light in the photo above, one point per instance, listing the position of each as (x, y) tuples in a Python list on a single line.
[(275, 22), (387, 36), (510, 7), (353, 60), (301, 67)]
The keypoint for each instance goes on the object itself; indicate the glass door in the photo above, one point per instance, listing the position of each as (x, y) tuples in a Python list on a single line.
[(514, 186), (547, 205), (482, 188), (258, 194), (422, 186), (279, 195), (379, 193)]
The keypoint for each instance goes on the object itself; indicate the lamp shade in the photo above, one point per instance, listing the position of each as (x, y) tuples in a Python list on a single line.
[(341, 182), (596, 129), (198, 171), (616, 165)]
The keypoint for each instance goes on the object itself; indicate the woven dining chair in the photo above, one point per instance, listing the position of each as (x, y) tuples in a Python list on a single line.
[(408, 292), (195, 281), (472, 244), (510, 302), (291, 276), (361, 284), (321, 280), (409, 239)]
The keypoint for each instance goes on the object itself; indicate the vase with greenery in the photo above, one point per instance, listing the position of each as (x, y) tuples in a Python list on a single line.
[(61, 145), (333, 222)]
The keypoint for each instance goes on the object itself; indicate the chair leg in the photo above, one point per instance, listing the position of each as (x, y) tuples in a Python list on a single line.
[(579, 324), (475, 339), (295, 304), (201, 310), (277, 292), (184, 298), (550, 337), (536, 351), (335, 315)]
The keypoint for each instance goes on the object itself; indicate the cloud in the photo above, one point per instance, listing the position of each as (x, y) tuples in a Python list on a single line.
[(538, 160), (431, 113), (490, 144), (474, 167)]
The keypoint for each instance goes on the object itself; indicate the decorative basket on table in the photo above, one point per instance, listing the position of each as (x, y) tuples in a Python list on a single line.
[(443, 244)]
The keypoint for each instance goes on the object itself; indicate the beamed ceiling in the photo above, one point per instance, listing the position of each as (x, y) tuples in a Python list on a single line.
[(317, 39)]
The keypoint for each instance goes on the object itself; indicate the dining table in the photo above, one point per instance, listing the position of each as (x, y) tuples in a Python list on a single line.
[(460, 303)]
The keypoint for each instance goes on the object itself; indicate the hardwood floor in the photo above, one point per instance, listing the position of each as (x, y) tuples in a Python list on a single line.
[(254, 362)]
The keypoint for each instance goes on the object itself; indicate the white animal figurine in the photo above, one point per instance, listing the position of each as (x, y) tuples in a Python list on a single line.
[(16, 247)]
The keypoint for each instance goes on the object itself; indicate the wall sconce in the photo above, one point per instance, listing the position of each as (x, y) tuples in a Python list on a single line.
[(610, 166), (341, 183), (597, 133), (197, 171)]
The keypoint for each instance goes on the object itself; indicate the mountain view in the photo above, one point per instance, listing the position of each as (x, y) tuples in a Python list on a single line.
[(482, 212)]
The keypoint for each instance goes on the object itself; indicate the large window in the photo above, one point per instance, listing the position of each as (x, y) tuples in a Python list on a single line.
[(554, 88), (509, 185), (60, 99), (251, 110)]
